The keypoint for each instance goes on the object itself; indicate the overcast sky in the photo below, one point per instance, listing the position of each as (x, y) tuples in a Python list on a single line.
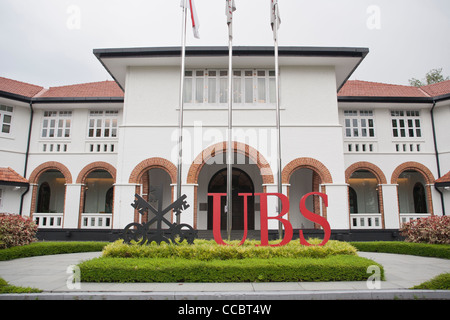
[(50, 42)]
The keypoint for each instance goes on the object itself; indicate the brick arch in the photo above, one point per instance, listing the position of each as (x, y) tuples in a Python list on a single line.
[(99, 165), (363, 165), (84, 173), (36, 174), (51, 165), (309, 163), (238, 147), (426, 173), (152, 163), (379, 175), (138, 177)]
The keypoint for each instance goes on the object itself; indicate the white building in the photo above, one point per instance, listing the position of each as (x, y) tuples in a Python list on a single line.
[(380, 152)]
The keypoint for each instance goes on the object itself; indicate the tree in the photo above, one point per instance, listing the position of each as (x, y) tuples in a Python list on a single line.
[(433, 76)]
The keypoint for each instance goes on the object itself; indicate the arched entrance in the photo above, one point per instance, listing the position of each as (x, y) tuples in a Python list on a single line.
[(241, 183)]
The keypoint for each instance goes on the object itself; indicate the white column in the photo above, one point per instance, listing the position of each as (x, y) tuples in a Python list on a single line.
[(72, 206), (123, 211), (337, 211), (390, 205)]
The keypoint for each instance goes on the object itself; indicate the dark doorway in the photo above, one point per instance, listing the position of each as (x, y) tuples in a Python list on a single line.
[(241, 183), (43, 205), (420, 201)]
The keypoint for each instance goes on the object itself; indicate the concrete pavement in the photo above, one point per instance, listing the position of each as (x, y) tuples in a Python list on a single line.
[(49, 273)]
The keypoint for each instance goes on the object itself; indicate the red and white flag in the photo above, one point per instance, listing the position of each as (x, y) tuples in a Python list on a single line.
[(230, 7), (274, 17), (195, 22)]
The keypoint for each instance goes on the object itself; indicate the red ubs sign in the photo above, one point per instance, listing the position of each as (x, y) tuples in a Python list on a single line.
[(288, 230)]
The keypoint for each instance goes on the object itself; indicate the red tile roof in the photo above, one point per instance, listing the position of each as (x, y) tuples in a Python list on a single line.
[(9, 175), (85, 90), (19, 88), (444, 178), (437, 89), (357, 88)]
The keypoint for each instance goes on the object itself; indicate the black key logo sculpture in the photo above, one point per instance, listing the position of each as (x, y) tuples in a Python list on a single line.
[(142, 234)]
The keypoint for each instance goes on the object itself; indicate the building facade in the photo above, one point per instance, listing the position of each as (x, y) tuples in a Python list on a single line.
[(73, 157)]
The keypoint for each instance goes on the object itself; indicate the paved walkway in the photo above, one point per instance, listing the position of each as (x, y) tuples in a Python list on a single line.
[(49, 273)]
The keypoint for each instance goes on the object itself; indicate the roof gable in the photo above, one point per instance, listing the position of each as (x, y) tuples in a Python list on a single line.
[(9, 176)]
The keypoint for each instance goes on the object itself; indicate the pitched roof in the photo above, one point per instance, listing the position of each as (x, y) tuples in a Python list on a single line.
[(85, 90), (358, 88), (437, 89), (444, 179), (19, 88), (9, 175)]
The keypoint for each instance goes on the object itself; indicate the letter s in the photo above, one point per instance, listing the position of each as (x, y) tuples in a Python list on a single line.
[(315, 218)]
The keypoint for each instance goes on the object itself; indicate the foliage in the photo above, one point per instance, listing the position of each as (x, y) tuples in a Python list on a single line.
[(48, 248), (398, 247), (434, 229), (5, 287), (440, 282), (208, 250), (433, 76), (16, 231), (332, 268)]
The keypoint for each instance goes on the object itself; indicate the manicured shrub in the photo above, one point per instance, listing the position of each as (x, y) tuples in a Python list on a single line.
[(435, 230), (399, 247), (16, 231), (208, 250), (440, 282), (172, 270), (49, 248)]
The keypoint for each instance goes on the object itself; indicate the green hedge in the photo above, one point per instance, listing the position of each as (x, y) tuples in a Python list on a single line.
[(332, 268), (49, 248), (417, 249), (5, 287), (440, 282), (210, 250)]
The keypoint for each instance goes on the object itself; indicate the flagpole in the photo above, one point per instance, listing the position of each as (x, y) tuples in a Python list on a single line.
[(230, 155), (277, 98), (181, 105)]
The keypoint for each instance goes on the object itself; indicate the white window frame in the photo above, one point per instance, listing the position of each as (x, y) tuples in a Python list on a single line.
[(103, 124), (359, 124), (56, 125), (6, 119), (406, 124), (1, 198), (251, 86)]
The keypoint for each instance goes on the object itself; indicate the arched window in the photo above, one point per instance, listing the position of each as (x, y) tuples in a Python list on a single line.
[(420, 202)]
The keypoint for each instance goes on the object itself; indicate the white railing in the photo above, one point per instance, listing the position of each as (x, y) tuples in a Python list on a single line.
[(96, 221), (366, 221), (407, 217), (48, 220)]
